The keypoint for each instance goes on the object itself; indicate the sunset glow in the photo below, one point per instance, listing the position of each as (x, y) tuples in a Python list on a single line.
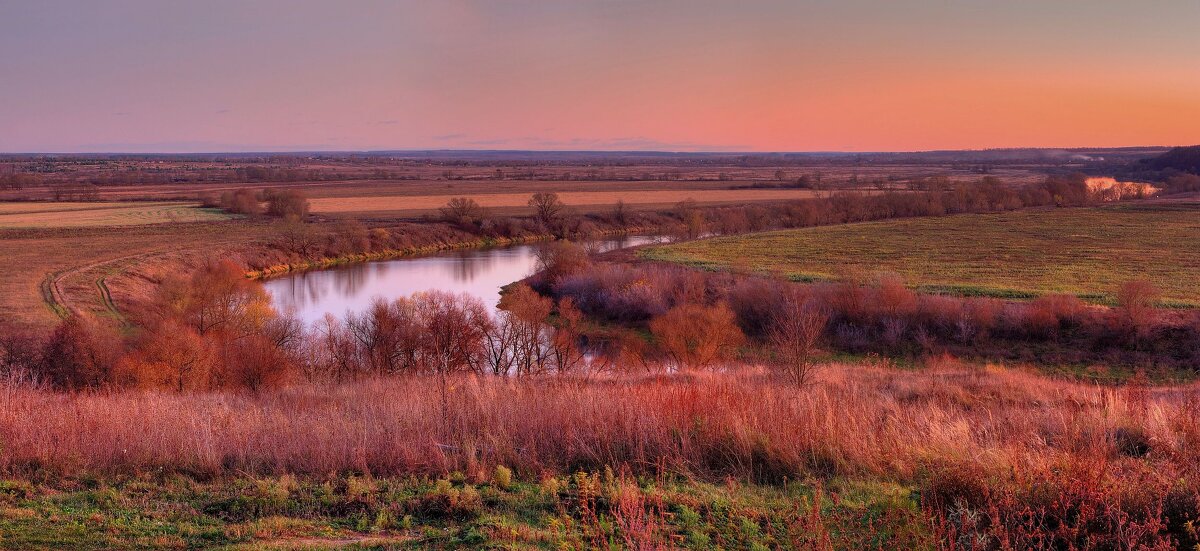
[(766, 76)]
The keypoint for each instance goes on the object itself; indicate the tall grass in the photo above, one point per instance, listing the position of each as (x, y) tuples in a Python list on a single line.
[(1000, 459), (859, 420)]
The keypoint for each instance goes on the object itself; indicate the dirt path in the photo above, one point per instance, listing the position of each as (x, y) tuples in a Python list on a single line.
[(64, 303)]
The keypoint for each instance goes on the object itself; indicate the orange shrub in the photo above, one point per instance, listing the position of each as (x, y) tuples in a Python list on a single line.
[(697, 336)]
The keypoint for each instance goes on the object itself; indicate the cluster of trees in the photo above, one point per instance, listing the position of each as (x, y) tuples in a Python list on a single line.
[(74, 191), (442, 333), (286, 204), (19, 180), (789, 320), (1182, 183)]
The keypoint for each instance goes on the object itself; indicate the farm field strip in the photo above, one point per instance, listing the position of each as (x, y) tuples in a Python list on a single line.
[(74, 215), (1088, 252), (336, 205)]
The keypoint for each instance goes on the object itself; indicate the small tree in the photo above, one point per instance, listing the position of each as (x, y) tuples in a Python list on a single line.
[(80, 354), (564, 344), (548, 209), (620, 212), (463, 211), (241, 201), (297, 237), (171, 356), (796, 331), (1138, 299)]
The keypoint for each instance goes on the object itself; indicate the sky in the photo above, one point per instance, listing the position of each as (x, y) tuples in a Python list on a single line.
[(830, 75)]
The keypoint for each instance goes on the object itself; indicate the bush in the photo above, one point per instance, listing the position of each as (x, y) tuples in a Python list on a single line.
[(696, 336)]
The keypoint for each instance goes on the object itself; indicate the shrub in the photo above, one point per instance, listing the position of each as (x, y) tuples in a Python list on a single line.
[(241, 201), (502, 477), (697, 336)]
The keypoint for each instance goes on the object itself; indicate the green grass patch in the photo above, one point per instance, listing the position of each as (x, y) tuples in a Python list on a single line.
[(1088, 252), (565, 512)]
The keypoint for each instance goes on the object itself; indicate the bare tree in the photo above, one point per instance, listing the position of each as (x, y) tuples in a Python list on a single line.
[(527, 312), (297, 237), (1138, 299), (548, 208), (796, 331), (620, 212), (463, 211)]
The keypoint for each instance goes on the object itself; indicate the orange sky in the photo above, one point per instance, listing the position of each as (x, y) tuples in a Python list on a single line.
[(768, 76)]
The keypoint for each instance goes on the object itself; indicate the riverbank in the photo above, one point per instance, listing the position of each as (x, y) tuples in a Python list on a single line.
[(478, 243)]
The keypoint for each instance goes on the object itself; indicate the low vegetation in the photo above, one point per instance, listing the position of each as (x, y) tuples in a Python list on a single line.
[(949, 453)]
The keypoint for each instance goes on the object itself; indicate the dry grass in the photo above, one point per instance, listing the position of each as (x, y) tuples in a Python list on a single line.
[(510, 202), (860, 421), (76, 215)]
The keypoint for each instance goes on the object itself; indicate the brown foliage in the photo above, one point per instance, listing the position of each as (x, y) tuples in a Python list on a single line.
[(80, 354), (697, 336), (171, 356), (216, 299), (559, 259), (287, 204), (241, 201)]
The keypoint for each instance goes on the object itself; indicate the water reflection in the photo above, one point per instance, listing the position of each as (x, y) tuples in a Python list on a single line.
[(478, 272)]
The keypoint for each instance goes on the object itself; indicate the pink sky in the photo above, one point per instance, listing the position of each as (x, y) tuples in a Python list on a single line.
[(765, 76)]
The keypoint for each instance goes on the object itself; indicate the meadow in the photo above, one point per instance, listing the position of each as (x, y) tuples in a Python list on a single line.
[(1087, 252)]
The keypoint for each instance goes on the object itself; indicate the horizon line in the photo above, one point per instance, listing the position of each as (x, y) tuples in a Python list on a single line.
[(301, 151)]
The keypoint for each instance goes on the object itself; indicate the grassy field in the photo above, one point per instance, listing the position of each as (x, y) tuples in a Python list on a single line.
[(75, 215), (1088, 252)]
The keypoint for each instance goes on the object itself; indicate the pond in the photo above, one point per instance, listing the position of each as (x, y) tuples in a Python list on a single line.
[(478, 272)]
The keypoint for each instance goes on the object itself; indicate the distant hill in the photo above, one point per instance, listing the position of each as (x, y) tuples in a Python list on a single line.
[(1186, 159)]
